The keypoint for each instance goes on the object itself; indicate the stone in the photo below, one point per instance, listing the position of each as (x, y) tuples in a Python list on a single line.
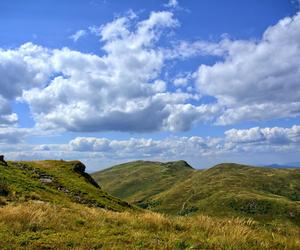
[(2, 160), (45, 180)]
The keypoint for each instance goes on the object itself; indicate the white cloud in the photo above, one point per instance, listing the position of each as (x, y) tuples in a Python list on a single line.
[(239, 145), (269, 136), (270, 145), (186, 49), (183, 116), (258, 79), (182, 81), (259, 112), (249, 140), (120, 91), (78, 34), (7, 117), (123, 90), (143, 148), (20, 69), (172, 4)]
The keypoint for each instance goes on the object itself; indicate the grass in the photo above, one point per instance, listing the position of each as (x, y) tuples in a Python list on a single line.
[(34, 225), (263, 194), (56, 205), (138, 181), (58, 182)]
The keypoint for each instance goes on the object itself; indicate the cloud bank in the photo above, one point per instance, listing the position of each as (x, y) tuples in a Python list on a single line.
[(104, 151)]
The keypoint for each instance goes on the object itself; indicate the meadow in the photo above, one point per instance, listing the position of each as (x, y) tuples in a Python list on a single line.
[(37, 225)]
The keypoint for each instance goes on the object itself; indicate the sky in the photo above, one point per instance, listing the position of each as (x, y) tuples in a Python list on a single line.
[(111, 81)]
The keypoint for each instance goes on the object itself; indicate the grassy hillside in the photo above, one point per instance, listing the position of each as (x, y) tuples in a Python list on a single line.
[(57, 182), (56, 205), (225, 190), (141, 180)]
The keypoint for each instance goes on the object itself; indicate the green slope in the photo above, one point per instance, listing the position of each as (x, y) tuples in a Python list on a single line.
[(58, 182), (139, 181), (224, 190)]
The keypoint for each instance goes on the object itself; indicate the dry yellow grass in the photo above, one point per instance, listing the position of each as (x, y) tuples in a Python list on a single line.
[(47, 226)]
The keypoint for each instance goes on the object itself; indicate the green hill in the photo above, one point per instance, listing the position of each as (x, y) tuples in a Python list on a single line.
[(58, 182), (141, 180), (224, 190)]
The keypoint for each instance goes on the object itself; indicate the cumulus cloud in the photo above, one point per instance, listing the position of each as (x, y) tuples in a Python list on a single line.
[(249, 140), (119, 91), (123, 89), (144, 148), (270, 136), (258, 79), (20, 69), (78, 34)]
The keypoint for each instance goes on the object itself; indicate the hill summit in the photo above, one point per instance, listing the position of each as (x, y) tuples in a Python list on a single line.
[(138, 181)]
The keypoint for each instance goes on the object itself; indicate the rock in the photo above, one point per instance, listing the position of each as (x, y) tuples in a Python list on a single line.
[(45, 180), (79, 167), (2, 161)]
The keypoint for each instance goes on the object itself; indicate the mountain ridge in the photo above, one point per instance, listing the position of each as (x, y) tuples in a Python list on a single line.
[(140, 178), (227, 189)]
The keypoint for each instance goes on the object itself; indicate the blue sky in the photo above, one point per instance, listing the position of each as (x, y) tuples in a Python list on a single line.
[(107, 81)]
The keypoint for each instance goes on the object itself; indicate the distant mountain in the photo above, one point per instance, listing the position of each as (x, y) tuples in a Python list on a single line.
[(287, 165), (224, 190), (294, 164)]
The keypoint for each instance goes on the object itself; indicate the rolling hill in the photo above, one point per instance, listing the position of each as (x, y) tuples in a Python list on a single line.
[(141, 180), (264, 194)]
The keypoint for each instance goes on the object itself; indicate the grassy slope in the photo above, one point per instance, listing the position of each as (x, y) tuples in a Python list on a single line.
[(58, 182), (140, 180), (224, 190)]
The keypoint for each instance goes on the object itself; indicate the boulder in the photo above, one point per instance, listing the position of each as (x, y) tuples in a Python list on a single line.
[(2, 161), (79, 167)]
